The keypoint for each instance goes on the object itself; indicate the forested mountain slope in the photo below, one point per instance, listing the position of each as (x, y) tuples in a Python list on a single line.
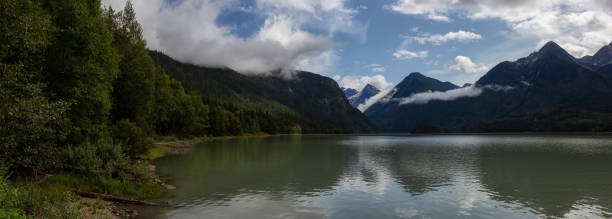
[(312, 101)]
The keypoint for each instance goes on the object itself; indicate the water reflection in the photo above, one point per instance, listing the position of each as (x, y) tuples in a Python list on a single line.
[(392, 176), (560, 178), (254, 165)]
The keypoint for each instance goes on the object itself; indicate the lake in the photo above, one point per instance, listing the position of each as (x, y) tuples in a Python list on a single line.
[(392, 176)]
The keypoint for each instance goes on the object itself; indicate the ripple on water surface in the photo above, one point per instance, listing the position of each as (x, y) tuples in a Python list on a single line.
[(447, 176)]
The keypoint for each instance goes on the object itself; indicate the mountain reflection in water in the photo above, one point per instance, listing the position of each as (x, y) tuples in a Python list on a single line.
[(447, 176)]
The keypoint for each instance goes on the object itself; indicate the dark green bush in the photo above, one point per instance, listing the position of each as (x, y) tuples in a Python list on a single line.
[(131, 137), (33, 201), (104, 161), (30, 125)]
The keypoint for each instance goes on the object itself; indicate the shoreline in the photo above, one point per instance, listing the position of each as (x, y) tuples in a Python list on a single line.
[(168, 148), (163, 148)]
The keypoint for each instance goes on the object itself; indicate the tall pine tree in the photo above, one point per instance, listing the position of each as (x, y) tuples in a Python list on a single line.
[(133, 89)]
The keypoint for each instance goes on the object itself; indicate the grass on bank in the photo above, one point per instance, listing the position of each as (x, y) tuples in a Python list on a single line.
[(28, 200), (55, 198), (132, 190)]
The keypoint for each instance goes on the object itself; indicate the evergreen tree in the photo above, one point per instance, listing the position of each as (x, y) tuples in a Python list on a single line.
[(133, 89)]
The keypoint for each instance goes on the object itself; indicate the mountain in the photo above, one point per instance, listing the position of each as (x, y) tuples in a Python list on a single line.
[(547, 82), (606, 70), (416, 82), (390, 116), (349, 92), (366, 93), (603, 57), (312, 101), (546, 79), (601, 61)]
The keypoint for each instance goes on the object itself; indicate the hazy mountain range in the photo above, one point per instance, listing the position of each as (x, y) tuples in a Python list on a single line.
[(549, 90), (357, 98)]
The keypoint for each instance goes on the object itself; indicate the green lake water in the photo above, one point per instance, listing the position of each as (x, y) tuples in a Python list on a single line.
[(393, 176)]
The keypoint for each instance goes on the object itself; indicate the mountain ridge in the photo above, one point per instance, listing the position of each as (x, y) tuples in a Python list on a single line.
[(313, 101), (413, 83), (366, 93), (547, 79), (601, 58)]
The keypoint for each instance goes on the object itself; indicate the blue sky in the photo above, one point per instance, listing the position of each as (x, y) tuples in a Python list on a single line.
[(365, 41)]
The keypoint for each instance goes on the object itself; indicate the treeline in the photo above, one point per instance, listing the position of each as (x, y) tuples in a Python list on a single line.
[(567, 118), (232, 113), (229, 119), (308, 103), (79, 93)]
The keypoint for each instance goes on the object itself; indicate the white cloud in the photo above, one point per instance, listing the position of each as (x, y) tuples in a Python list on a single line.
[(466, 65), (425, 97), (359, 82), (450, 95), (432, 62), (378, 69), (437, 39), (417, 7), (372, 100), (188, 31), (580, 26), (403, 54)]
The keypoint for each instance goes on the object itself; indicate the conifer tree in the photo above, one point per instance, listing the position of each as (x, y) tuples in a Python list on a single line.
[(133, 89)]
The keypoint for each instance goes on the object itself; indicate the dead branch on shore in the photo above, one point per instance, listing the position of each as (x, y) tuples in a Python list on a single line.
[(117, 199)]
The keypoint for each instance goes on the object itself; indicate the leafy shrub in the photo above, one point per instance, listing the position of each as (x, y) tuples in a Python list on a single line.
[(136, 190), (30, 125), (8, 201), (104, 161), (8, 197), (131, 137), (29, 200)]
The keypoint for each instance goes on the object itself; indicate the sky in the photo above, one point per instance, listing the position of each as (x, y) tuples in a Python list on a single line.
[(380, 42)]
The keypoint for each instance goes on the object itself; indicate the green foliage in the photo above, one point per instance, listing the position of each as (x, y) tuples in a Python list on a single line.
[(9, 200), (133, 88), (30, 125), (177, 112), (68, 74), (225, 123), (138, 190), (24, 31), (131, 137), (104, 161), (81, 66), (269, 104), (81, 96), (144, 94), (29, 200)]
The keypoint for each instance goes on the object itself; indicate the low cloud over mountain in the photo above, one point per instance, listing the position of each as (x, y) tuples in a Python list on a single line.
[(189, 31)]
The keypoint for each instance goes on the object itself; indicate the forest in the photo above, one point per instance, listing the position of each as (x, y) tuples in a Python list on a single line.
[(82, 101)]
